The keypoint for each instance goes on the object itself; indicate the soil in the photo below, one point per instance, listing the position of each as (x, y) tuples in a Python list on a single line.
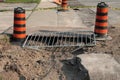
[(109, 46), (31, 64), (44, 65)]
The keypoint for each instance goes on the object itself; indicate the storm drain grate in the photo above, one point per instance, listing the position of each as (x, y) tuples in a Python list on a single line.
[(51, 39)]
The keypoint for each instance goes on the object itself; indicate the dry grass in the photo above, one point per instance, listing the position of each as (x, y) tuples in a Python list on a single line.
[(4, 39)]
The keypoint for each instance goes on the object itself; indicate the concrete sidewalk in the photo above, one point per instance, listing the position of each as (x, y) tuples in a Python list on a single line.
[(42, 18), (7, 17), (84, 19), (53, 20)]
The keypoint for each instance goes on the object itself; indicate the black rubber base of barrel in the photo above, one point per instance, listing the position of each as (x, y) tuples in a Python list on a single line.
[(17, 41), (103, 37), (62, 10), (100, 35)]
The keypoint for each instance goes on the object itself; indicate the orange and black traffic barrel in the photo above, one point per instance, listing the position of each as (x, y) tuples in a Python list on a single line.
[(101, 24), (19, 33), (64, 5)]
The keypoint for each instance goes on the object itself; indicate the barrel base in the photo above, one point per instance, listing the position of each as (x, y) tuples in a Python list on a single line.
[(103, 38), (63, 10), (18, 40)]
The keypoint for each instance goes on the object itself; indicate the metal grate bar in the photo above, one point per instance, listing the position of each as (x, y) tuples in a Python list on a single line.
[(51, 39)]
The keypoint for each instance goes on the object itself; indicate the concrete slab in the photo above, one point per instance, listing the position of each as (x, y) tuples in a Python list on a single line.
[(42, 18), (6, 20), (70, 19), (53, 19), (101, 66), (46, 4)]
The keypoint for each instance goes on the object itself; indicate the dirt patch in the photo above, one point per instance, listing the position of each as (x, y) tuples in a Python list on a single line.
[(43, 65), (109, 47), (29, 63)]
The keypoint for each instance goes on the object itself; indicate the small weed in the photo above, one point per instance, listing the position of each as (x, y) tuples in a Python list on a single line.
[(4, 39)]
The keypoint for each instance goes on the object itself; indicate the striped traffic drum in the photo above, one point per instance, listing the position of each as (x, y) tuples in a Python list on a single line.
[(101, 24), (19, 33), (64, 5)]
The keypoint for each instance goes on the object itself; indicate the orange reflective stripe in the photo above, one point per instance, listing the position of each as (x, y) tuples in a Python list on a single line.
[(102, 17), (19, 35), (101, 24), (20, 22), (20, 29), (20, 15), (102, 10), (101, 31)]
